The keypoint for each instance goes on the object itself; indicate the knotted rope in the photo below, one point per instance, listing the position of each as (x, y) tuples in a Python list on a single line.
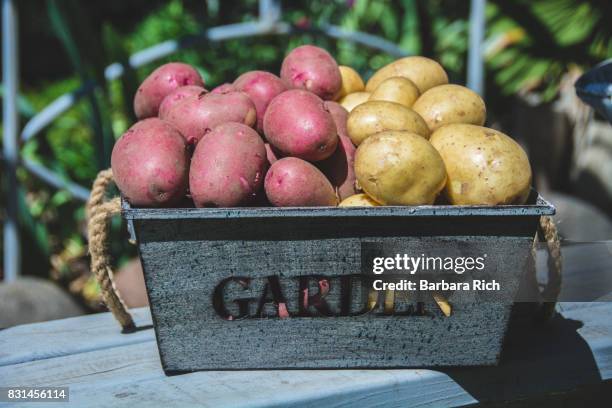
[(549, 233), (100, 211)]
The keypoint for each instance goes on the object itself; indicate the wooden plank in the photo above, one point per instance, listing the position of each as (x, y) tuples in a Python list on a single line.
[(587, 271), (69, 336), (128, 363), (131, 376), (596, 330), (571, 352)]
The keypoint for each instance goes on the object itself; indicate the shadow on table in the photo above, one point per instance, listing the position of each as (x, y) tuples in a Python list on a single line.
[(538, 358)]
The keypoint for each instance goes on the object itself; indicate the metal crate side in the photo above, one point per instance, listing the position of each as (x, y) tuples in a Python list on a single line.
[(185, 256)]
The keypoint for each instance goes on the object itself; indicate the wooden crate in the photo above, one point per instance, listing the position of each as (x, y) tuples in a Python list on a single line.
[(207, 271)]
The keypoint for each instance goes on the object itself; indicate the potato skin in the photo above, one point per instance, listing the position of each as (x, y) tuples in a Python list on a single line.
[(339, 115), (313, 69), (160, 83), (223, 88), (292, 182), (350, 101), (359, 200), (484, 166), (197, 115), (150, 163), (424, 72), (178, 95), (228, 167), (340, 166), (396, 89), (399, 168), (378, 116), (298, 124), (261, 87), (446, 104), (351, 82)]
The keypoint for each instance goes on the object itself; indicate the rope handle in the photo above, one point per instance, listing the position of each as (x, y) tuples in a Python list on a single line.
[(548, 231), (100, 211)]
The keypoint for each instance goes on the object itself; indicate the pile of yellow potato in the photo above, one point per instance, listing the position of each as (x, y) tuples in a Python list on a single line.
[(418, 136)]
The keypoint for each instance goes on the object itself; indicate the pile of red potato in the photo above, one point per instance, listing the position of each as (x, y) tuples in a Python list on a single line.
[(401, 139)]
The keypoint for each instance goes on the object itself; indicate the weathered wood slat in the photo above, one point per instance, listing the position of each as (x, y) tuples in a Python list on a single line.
[(69, 336), (569, 352), (596, 330), (119, 364), (132, 376), (573, 351)]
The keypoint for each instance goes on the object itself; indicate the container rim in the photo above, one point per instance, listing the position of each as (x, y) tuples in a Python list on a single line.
[(538, 207)]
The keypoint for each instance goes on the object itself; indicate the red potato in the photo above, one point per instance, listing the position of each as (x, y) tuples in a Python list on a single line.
[(150, 164), (340, 166), (261, 87), (195, 116), (292, 182), (298, 124), (161, 83), (339, 114), (224, 88), (313, 69), (228, 167), (272, 156), (178, 95)]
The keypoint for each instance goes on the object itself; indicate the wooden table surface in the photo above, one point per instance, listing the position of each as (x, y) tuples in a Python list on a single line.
[(569, 356), (104, 368)]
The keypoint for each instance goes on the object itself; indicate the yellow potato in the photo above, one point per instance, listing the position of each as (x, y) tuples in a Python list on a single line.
[(377, 116), (396, 89), (353, 99), (484, 166), (424, 72), (358, 200), (351, 82), (399, 168), (446, 104)]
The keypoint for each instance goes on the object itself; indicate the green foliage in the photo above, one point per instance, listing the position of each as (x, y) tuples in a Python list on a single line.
[(24, 107), (530, 45)]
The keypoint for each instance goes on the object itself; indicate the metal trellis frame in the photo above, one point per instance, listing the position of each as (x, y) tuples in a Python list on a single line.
[(10, 148), (268, 23), (475, 69)]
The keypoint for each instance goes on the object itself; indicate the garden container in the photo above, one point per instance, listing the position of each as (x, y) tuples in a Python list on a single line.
[(282, 288)]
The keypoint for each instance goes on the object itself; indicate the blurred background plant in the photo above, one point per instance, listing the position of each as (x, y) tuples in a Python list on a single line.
[(530, 47)]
